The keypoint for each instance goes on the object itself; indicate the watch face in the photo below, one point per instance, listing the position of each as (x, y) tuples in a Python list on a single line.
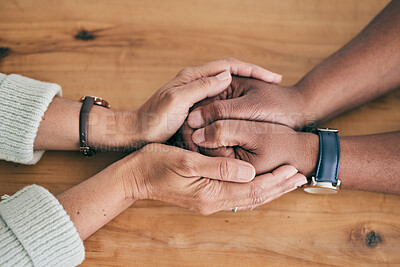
[(320, 190)]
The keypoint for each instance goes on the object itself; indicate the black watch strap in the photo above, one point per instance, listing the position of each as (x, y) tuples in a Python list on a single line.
[(329, 156), (88, 102), (87, 106)]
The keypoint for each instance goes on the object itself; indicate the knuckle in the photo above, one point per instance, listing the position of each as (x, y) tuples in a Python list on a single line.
[(217, 130), (224, 170), (219, 109), (170, 95), (204, 82), (257, 195), (185, 76), (185, 71), (219, 125), (187, 166)]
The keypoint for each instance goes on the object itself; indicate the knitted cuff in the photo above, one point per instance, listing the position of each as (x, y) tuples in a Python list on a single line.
[(38, 230), (23, 102), (2, 77)]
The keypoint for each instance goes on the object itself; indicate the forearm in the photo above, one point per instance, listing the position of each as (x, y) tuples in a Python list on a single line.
[(59, 128), (370, 162), (96, 201), (365, 68)]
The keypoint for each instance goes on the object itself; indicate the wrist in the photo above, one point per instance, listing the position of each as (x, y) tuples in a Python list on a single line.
[(303, 114), (128, 130), (308, 151), (311, 104), (134, 175), (102, 129)]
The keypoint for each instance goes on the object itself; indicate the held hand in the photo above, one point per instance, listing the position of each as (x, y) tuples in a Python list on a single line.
[(204, 184), (251, 99), (164, 113), (265, 145)]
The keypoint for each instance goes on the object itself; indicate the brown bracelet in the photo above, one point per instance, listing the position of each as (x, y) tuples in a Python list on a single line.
[(88, 102)]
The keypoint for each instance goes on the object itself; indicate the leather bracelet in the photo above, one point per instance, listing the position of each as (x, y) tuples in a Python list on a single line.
[(88, 102)]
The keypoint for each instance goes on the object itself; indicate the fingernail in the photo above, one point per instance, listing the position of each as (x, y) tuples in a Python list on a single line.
[(195, 119), (224, 76), (246, 173), (300, 182), (278, 79), (290, 172), (199, 136)]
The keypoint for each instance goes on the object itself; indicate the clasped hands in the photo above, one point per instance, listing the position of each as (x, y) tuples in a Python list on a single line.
[(242, 125)]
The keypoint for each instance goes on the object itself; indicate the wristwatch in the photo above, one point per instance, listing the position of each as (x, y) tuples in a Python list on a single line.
[(88, 102), (326, 179)]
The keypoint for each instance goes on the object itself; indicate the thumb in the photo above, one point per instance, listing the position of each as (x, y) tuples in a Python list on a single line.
[(204, 87), (224, 169), (225, 133), (217, 110)]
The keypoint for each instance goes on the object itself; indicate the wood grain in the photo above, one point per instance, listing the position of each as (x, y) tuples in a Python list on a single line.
[(125, 50)]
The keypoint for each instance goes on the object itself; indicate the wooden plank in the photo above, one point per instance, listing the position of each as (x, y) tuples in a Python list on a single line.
[(131, 48)]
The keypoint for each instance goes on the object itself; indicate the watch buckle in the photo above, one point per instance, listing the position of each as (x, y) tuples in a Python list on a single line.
[(97, 101), (322, 187)]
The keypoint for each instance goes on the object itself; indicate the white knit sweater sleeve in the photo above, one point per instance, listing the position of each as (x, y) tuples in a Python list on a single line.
[(23, 102), (34, 228), (36, 231)]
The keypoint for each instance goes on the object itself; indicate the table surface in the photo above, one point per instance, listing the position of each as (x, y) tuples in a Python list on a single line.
[(125, 50)]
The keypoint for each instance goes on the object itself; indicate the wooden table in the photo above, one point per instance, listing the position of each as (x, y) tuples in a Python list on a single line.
[(125, 50)]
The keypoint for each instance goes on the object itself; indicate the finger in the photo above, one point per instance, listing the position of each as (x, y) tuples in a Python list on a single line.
[(235, 67), (187, 132), (289, 188), (218, 110), (226, 133), (202, 88), (218, 152), (221, 168), (261, 190)]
